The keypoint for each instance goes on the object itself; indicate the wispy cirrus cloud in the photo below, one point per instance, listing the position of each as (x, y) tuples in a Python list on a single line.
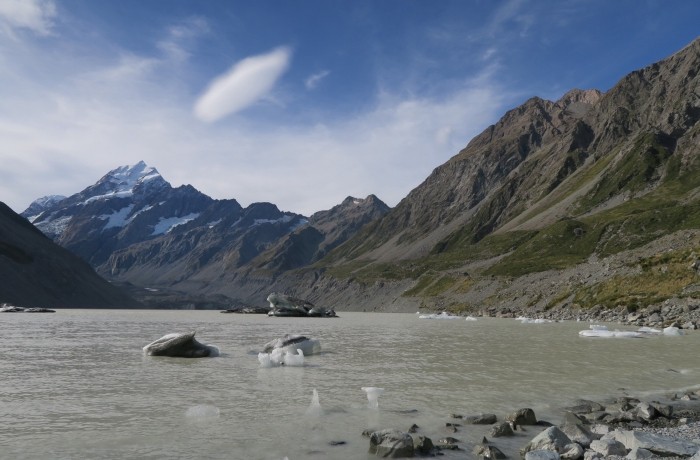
[(179, 37), (313, 81), (35, 15), (244, 84)]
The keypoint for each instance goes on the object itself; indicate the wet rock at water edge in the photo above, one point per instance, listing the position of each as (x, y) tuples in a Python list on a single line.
[(552, 439), (477, 419), (391, 444), (180, 345), (524, 416), (501, 429)]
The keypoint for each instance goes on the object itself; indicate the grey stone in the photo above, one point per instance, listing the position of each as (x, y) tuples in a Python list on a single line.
[(423, 445), (391, 444), (646, 411), (501, 429), (542, 455), (550, 439), (480, 419), (657, 444), (524, 416), (608, 447), (638, 454), (487, 451), (579, 433), (572, 451)]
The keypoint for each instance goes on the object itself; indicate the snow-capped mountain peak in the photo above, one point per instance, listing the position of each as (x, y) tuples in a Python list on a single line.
[(124, 180)]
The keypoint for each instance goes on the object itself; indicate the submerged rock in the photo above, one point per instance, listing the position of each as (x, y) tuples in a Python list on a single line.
[(180, 345)]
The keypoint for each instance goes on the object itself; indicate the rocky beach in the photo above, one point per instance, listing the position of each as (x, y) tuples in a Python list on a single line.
[(662, 426)]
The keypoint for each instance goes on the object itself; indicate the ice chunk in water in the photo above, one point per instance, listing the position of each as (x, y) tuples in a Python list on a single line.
[(315, 406), (671, 330), (373, 394), (290, 359), (202, 411), (281, 356)]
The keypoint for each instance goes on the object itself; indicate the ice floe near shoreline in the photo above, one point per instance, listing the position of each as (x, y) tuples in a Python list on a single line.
[(443, 315), (597, 330), (526, 320)]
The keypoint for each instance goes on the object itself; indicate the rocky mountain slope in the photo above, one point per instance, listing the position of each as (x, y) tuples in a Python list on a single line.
[(553, 187), (36, 272)]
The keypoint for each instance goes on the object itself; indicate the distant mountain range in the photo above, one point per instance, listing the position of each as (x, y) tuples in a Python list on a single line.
[(592, 200), (137, 230)]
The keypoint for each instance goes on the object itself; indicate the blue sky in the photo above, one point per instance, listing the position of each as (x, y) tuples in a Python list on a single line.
[(300, 103)]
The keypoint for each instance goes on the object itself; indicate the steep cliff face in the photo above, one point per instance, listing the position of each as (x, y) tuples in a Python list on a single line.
[(36, 272)]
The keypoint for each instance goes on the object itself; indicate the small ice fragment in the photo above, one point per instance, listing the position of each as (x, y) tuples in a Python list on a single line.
[(290, 359), (671, 330), (315, 406), (373, 394), (202, 411), (443, 315), (470, 318)]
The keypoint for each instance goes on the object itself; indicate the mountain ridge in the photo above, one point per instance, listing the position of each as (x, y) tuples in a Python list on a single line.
[(554, 187)]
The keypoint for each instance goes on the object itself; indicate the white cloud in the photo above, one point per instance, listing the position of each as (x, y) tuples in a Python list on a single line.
[(60, 134), (175, 45), (313, 81), (36, 15), (244, 84)]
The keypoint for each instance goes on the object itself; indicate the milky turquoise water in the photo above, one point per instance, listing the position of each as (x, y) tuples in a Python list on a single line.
[(75, 384)]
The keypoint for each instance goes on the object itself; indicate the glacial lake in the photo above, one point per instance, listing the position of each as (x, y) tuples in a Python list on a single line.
[(76, 385)]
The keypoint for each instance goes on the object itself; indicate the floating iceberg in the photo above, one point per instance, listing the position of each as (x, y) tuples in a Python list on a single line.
[(281, 357), (602, 331), (525, 320), (292, 343), (373, 394), (671, 331), (470, 318), (443, 315)]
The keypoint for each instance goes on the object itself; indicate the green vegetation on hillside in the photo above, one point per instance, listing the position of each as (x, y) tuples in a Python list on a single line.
[(661, 277)]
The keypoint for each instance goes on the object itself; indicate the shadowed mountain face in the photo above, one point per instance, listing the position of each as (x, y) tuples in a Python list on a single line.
[(36, 272)]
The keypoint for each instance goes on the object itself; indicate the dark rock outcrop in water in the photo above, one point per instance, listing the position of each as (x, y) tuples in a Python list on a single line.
[(180, 345), (14, 309), (284, 305), (36, 271)]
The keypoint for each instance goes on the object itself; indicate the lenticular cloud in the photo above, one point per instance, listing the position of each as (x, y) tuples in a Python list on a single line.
[(246, 82)]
